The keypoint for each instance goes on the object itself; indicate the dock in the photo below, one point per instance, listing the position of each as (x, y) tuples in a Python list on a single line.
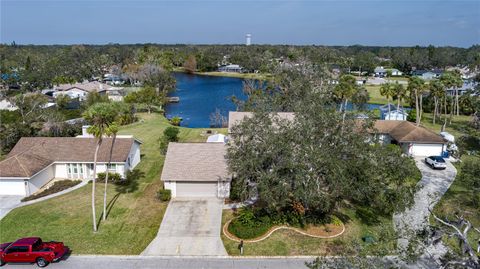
[(173, 99)]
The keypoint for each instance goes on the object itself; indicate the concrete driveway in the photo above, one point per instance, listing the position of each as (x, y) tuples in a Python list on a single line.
[(190, 227), (8, 203), (433, 186)]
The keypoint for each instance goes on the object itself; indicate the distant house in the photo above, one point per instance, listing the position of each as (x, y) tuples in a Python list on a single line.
[(196, 170), (395, 72), (35, 162), (81, 90), (390, 112), (414, 140), (467, 86), (426, 74), (380, 72), (231, 68)]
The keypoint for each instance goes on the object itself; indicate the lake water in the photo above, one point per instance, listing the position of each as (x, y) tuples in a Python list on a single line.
[(200, 96)]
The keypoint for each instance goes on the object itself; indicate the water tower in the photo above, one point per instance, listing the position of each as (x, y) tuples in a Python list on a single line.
[(248, 39)]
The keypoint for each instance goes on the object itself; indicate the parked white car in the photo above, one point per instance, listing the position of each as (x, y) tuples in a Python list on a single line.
[(436, 162)]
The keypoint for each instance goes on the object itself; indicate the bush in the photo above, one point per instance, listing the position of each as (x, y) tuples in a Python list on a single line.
[(412, 115), (249, 225), (164, 195), (112, 177), (57, 186), (171, 134), (176, 121)]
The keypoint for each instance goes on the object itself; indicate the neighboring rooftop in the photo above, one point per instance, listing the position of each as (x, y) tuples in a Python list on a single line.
[(195, 162), (405, 131), (235, 117), (32, 154), (92, 86)]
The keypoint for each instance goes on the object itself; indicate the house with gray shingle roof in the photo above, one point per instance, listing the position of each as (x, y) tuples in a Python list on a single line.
[(196, 170), (35, 162)]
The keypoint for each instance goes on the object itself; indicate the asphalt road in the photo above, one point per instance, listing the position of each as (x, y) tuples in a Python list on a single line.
[(121, 262)]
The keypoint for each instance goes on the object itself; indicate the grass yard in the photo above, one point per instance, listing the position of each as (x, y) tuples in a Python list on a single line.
[(456, 201), (134, 212), (458, 127), (285, 242), (377, 98)]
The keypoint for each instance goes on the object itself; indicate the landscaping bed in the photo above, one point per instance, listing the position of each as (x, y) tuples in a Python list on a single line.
[(57, 186), (287, 242)]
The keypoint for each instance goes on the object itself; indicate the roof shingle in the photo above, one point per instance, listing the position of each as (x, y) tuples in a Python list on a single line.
[(32, 154), (195, 162)]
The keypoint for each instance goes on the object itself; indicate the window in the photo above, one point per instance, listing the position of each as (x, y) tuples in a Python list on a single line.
[(17, 249), (112, 167)]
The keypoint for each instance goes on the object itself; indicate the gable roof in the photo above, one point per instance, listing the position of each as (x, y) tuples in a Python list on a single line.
[(33, 154), (405, 131), (195, 162), (235, 117), (92, 86)]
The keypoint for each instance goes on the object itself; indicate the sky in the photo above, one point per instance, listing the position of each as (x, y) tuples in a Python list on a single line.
[(378, 23)]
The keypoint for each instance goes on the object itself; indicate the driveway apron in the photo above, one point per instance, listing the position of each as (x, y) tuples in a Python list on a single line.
[(190, 227), (8, 203)]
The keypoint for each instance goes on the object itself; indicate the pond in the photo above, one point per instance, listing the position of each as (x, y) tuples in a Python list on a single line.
[(200, 96)]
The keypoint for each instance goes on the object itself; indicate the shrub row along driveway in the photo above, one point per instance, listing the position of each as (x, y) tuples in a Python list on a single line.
[(189, 227)]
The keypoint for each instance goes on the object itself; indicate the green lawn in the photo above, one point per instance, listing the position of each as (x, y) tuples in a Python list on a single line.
[(458, 127), (285, 242), (135, 213), (377, 98)]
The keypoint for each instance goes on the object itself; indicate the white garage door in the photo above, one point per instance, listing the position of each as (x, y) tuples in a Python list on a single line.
[(196, 189), (12, 187), (427, 149)]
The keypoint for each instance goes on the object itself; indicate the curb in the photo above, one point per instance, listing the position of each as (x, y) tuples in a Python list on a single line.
[(267, 235)]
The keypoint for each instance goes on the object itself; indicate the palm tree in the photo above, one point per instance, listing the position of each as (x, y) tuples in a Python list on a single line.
[(112, 131), (101, 116), (345, 89), (387, 90), (415, 87), (399, 92), (452, 80), (437, 92)]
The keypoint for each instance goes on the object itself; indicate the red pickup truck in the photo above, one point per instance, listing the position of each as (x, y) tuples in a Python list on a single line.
[(32, 250)]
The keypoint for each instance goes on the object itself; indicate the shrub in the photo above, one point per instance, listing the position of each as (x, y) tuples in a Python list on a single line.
[(249, 224), (175, 121), (171, 134), (164, 195), (112, 177), (57, 186)]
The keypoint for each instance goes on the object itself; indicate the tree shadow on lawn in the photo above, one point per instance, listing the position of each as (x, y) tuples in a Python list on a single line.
[(130, 184)]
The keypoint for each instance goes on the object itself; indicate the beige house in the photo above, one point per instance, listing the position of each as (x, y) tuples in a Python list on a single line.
[(81, 90), (196, 170), (34, 162)]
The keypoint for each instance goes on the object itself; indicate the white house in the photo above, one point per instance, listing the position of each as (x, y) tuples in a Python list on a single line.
[(395, 72), (390, 112), (414, 140), (81, 90), (380, 72), (231, 68), (196, 170), (36, 161)]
